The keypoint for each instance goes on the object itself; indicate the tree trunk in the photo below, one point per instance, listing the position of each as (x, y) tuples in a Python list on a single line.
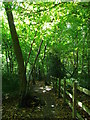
[(77, 60), (11, 62), (33, 67), (17, 50), (42, 67), (88, 44), (7, 60), (83, 55), (59, 87)]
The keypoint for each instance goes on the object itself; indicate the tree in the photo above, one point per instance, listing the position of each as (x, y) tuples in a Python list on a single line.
[(62, 28), (17, 50)]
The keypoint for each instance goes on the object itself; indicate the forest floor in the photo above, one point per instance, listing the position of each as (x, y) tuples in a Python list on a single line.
[(51, 108)]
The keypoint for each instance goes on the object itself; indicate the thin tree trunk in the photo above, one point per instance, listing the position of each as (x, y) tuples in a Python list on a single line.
[(77, 60), (75, 71), (42, 67), (30, 49), (7, 60), (44, 54), (11, 63), (37, 56), (59, 87), (83, 56), (10, 58), (88, 44)]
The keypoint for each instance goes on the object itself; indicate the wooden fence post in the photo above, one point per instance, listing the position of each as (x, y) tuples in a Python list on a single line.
[(64, 92), (74, 100), (59, 88)]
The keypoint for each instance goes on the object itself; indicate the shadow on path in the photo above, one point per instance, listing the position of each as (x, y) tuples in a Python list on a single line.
[(53, 107)]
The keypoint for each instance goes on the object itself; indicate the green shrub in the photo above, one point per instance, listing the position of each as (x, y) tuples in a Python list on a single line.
[(10, 82)]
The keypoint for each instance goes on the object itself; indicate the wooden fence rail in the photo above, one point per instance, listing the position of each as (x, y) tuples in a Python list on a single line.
[(75, 102)]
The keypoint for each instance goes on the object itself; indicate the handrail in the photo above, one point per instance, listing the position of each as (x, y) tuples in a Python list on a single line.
[(70, 105), (84, 90), (79, 116), (69, 94), (83, 107), (80, 104), (75, 102)]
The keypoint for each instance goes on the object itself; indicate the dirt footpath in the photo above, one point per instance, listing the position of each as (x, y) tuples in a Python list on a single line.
[(51, 106)]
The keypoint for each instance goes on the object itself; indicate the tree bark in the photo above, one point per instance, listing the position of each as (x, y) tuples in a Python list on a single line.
[(17, 50), (42, 67), (37, 56), (77, 58), (30, 49), (88, 44), (7, 60), (83, 55)]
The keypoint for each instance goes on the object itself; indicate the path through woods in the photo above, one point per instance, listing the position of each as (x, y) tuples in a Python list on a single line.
[(51, 106)]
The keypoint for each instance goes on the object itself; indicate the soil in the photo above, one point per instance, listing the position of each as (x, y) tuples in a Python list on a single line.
[(49, 106)]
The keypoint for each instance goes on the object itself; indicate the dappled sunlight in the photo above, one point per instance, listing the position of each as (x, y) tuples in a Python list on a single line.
[(41, 88), (48, 88), (36, 90), (44, 91), (52, 106), (45, 57)]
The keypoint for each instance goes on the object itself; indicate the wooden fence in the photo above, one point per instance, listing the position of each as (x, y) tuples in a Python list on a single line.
[(75, 102)]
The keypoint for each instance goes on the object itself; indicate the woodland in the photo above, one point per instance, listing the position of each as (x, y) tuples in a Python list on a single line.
[(45, 60)]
